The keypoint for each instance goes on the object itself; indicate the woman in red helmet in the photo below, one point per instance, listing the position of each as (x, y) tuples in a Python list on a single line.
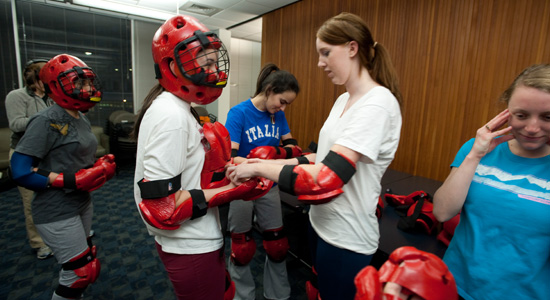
[(56, 158), (176, 201)]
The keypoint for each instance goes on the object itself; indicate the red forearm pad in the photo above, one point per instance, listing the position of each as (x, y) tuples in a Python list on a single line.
[(248, 190), (270, 152), (162, 212), (217, 155), (336, 172), (108, 163), (84, 180)]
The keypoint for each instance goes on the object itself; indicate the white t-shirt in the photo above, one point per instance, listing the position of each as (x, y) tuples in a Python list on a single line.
[(371, 127), (169, 144)]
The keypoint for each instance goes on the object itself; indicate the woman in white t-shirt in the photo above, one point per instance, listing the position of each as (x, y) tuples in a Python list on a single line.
[(191, 65), (356, 145)]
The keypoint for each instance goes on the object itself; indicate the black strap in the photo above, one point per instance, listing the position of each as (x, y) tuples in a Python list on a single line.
[(288, 151), (287, 179), (69, 292), (290, 142), (159, 188), (43, 172), (271, 235), (199, 203), (69, 181), (302, 160), (79, 263), (339, 165), (234, 152), (196, 115)]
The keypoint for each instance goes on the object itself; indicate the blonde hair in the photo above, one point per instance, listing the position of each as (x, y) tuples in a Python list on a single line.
[(535, 76)]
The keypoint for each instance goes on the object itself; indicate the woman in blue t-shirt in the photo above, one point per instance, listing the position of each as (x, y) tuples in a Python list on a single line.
[(500, 185), (260, 122)]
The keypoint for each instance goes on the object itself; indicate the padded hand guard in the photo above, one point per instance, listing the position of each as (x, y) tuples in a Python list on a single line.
[(162, 212), (84, 180), (270, 152), (217, 156), (336, 172), (109, 165), (368, 285)]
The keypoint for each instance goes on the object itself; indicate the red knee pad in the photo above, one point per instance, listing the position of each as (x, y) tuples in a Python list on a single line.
[(229, 287), (85, 266), (243, 248), (275, 244)]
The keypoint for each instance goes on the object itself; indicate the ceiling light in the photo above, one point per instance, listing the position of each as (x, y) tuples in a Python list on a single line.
[(124, 8), (200, 9)]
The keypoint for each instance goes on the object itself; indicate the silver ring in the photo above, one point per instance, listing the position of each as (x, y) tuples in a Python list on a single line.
[(488, 128)]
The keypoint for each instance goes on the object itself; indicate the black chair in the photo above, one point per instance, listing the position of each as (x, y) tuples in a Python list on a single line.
[(122, 145)]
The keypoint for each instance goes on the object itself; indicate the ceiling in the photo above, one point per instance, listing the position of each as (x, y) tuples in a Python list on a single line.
[(241, 17)]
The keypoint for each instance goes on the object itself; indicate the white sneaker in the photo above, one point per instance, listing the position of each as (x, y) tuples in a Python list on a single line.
[(44, 252)]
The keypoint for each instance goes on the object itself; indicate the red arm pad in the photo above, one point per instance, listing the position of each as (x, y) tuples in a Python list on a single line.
[(336, 172), (162, 212), (217, 155), (84, 180), (368, 284), (251, 189), (270, 152)]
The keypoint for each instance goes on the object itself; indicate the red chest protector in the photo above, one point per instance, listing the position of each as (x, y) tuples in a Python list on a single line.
[(217, 147)]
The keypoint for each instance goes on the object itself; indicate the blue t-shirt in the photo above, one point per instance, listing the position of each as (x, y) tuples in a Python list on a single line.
[(251, 127), (501, 247)]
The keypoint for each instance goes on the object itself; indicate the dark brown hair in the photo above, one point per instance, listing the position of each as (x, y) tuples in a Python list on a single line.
[(347, 27), (273, 79), (151, 96)]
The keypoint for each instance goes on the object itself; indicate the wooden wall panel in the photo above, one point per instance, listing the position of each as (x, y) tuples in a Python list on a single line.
[(454, 59)]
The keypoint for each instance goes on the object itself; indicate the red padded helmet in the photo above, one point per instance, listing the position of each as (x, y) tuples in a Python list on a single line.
[(200, 56), (70, 82), (421, 272)]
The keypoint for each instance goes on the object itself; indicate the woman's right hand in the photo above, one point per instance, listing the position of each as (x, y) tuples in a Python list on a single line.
[(486, 137)]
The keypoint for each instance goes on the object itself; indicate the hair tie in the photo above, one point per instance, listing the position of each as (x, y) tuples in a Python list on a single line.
[(374, 45)]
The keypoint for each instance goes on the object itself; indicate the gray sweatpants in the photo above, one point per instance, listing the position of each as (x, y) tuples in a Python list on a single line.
[(68, 239), (267, 210)]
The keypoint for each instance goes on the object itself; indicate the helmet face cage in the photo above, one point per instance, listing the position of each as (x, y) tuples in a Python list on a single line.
[(80, 83), (203, 59)]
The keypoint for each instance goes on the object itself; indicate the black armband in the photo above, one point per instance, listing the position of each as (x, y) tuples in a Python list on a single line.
[(293, 142), (200, 206), (69, 181), (339, 165), (287, 179), (234, 152), (43, 172), (159, 188), (302, 160)]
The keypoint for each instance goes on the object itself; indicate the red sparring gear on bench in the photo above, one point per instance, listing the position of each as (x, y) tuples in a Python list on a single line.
[(421, 273), (84, 180), (271, 152), (217, 155), (398, 200), (162, 212)]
